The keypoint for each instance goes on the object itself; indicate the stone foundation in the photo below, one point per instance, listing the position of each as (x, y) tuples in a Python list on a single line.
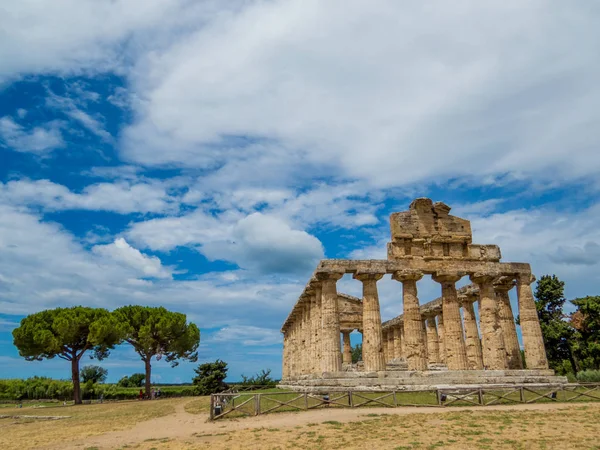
[(420, 380)]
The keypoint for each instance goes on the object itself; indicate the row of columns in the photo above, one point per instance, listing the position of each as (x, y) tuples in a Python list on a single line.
[(312, 341)]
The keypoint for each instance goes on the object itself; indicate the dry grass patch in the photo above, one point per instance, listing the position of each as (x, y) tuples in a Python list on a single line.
[(574, 427), (85, 420), (199, 406)]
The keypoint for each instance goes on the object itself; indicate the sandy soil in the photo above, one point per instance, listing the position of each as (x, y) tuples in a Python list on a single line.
[(185, 430)]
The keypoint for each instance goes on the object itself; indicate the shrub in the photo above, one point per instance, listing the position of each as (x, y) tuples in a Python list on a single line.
[(135, 380), (260, 379), (589, 376), (210, 376)]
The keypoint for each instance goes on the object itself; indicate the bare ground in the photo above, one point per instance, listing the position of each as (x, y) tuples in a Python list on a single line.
[(546, 425)]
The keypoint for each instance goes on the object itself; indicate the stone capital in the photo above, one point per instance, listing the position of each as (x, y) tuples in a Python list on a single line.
[(407, 275), (447, 277), (463, 299), (504, 283), (364, 276), (525, 278), (322, 276), (481, 278)]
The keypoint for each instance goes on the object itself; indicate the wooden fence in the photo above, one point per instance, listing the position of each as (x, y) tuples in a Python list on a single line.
[(252, 404)]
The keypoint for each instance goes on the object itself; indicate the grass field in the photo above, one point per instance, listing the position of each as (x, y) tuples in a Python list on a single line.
[(181, 423)]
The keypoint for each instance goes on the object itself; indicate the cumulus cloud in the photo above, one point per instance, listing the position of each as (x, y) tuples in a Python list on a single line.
[(267, 244), (588, 254), (39, 140), (88, 35), (257, 241), (43, 266), (121, 197), (122, 252), (384, 92), (247, 335)]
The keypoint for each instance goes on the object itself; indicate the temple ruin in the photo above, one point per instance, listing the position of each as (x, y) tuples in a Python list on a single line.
[(431, 344)]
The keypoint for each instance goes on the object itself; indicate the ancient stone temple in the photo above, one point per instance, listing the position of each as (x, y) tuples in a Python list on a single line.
[(440, 343)]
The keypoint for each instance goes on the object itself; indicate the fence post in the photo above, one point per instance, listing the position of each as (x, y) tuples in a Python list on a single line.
[(256, 404), (439, 397), (480, 396), (350, 399), (212, 407), (306, 401), (395, 400), (522, 394)]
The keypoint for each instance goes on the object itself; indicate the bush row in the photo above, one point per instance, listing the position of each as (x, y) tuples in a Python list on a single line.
[(588, 376), (42, 388)]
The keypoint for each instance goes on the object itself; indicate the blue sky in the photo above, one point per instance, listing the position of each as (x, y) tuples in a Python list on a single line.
[(204, 156)]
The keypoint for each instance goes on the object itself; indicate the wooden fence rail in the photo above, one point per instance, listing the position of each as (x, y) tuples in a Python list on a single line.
[(252, 404)]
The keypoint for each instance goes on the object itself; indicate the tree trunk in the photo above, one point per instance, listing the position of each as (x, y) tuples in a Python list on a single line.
[(148, 374), (75, 377)]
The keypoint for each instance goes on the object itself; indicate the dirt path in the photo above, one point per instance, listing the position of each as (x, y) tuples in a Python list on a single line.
[(183, 425)]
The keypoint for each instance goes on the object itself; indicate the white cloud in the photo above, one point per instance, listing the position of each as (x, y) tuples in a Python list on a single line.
[(247, 335), (72, 108), (384, 92), (85, 35), (39, 140), (121, 251), (258, 242), (121, 197), (43, 266), (267, 244)]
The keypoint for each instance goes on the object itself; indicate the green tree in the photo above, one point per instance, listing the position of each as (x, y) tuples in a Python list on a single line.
[(95, 374), (157, 332), (586, 322), (557, 332), (67, 333), (357, 353), (210, 377), (263, 378), (135, 380)]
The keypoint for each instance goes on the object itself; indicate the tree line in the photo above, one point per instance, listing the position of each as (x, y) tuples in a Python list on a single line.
[(572, 339), (69, 333)]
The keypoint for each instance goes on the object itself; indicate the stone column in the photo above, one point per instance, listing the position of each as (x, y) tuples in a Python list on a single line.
[(441, 342), (384, 344), (397, 342), (347, 359), (284, 374), (456, 351), (507, 323), (330, 336), (433, 346), (292, 351), (414, 344), (319, 327), (390, 341), (492, 339), (425, 343), (310, 360), (535, 352), (402, 341), (372, 347), (314, 362), (304, 356), (472, 340)]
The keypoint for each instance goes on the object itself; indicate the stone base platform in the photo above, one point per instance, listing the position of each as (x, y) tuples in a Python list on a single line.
[(417, 381)]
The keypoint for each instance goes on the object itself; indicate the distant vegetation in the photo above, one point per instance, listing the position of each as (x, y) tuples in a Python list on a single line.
[(572, 340), (69, 333)]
